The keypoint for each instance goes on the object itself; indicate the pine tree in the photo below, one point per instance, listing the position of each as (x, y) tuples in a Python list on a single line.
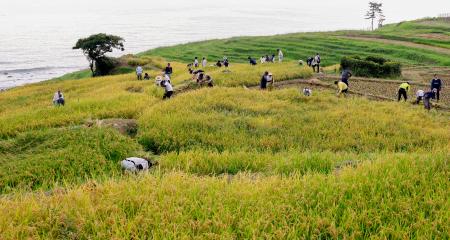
[(374, 8)]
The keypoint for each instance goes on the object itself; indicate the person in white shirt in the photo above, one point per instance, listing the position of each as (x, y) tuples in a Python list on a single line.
[(139, 71), (168, 88), (58, 99), (280, 56), (270, 81), (134, 164), (419, 95), (262, 59), (317, 61), (204, 62), (307, 92), (196, 64), (313, 64), (167, 78), (158, 80)]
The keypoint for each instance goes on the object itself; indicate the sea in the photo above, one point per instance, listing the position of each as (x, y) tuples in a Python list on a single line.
[(37, 36)]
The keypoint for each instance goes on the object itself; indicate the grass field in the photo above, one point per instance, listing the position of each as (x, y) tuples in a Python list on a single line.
[(233, 162), (331, 46), (433, 32)]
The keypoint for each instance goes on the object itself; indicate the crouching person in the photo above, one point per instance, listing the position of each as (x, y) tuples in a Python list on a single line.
[(134, 164), (307, 92), (419, 96), (209, 81), (58, 99), (342, 88), (168, 89)]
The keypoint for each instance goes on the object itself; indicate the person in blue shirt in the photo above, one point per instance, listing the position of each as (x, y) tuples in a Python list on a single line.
[(264, 78), (436, 83), (346, 75), (427, 98)]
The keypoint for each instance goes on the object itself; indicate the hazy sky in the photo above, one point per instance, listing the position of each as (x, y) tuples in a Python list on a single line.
[(350, 10)]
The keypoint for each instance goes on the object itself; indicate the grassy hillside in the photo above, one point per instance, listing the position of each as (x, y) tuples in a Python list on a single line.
[(233, 162), (332, 46), (434, 32), (298, 46)]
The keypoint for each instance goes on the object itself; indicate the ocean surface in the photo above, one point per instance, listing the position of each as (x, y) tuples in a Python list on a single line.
[(36, 37)]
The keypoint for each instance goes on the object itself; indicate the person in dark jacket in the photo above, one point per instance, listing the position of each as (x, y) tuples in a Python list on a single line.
[(226, 63), (436, 83), (346, 75), (168, 70), (309, 61), (264, 79), (427, 98), (209, 81), (252, 61)]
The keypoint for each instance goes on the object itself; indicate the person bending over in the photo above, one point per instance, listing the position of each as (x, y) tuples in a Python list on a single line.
[(419, 96), (264, 78), (58, 99), (342, 88), (403, 91), (168, 89)]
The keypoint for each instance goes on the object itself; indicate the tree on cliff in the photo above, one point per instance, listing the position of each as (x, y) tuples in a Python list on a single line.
[(95, 47)]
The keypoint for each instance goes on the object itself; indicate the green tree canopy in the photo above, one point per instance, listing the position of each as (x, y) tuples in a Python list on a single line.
[(96, 46)]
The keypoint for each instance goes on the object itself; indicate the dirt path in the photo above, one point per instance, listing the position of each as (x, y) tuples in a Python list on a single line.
[(402, 43)]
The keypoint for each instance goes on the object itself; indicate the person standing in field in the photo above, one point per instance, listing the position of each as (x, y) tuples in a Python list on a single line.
[(264, 78), (436, 83), (252, 61), (403, 91), (196, 63), (280, 55), (346, 75), (317, 61), (168, 70), (313, 64), (204, 62), (139, 71), (342, 88), (226, 64), (58, 99)]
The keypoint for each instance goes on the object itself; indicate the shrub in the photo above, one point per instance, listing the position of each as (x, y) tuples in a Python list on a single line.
[(371, 66), (105, 65)]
